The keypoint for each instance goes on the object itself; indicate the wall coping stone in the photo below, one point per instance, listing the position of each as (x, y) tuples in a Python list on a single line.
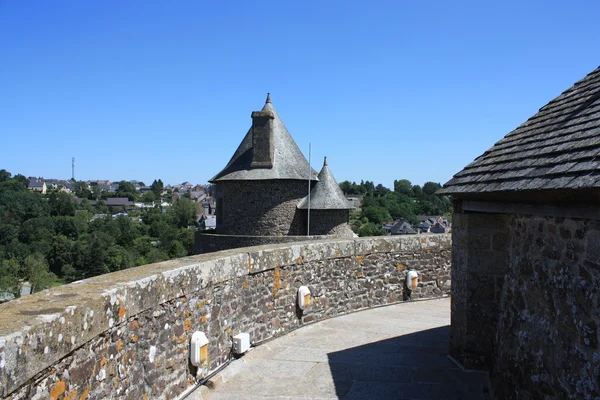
[(74, 314)]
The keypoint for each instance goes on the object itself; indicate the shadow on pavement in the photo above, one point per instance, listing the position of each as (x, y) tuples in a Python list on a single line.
[(412, 366)]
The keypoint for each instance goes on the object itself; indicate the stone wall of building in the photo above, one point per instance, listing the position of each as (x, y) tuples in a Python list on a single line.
[(330, 222), (547, 337), (525, 303), (267, 208), (479, 264), (126, 335)]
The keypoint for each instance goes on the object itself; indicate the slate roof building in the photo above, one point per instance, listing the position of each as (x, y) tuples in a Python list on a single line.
[(526, 253), (37, 185), (119, 202), (260, 191), (402, 227)]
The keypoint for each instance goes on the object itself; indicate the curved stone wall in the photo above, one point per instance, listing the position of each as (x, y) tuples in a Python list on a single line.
[(330, 222), (126, 335), (261, 208)]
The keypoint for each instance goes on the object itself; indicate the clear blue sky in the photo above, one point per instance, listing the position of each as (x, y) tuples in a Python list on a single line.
[(385, 89)]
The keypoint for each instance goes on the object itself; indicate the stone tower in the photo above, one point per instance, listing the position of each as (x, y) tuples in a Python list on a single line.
[(267, 177), (329, 209), (262, 193)]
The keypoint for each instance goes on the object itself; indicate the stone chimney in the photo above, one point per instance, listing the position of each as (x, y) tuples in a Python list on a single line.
[(262, 138)]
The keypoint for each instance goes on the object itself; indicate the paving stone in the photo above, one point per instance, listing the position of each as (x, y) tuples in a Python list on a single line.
[(280, 368), (350, 357)]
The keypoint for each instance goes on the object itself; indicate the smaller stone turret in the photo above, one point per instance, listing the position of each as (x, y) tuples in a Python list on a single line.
[(329, 209)]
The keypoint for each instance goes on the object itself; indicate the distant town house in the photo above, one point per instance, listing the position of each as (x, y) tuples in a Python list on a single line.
[(120, 202), (37, 185), (402, 227), (433, 224), (208, 222)]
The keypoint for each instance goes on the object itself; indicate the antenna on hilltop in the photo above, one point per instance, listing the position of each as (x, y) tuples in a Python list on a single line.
[(73, 169)]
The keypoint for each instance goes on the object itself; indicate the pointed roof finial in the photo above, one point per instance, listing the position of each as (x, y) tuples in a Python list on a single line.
[(325, 161), (268, 98)]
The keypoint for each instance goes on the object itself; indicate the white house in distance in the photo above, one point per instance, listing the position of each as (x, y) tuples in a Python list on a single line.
[(37, 185)]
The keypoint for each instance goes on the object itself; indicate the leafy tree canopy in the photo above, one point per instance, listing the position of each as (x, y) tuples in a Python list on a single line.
[(48, 239), (407, 201)]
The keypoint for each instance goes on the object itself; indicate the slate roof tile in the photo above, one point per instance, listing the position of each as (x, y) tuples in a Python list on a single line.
[(326, 195), (557, 148)]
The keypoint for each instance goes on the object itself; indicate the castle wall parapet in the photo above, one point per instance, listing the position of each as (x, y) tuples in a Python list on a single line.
[(126, 334)]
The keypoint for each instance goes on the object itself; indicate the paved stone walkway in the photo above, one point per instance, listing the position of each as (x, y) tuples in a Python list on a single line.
[(394, 352)]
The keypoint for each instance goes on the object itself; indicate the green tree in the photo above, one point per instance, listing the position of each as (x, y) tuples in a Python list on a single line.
[(7, 233), (124, 231), (35, 271), (118, 258), (38, 233), (156, 255), (403, 186), (186, 237), (149, 197), (19, 205), (184, 211), (96, 193), (157, 188), (22, 180), (430, 188), (61, 204), (81, 221), (10, 270), (142, 245), (417, 191), (126, 189), (69, 273), (60, 254), (368, 185), (376, 214), (370, 229), (82, 190), (381, 190), (176, 249), (94, 259), (4, 175)]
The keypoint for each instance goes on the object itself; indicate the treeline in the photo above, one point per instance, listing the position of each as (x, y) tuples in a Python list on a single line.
[(381, 205), (125, 189), (48, 239)]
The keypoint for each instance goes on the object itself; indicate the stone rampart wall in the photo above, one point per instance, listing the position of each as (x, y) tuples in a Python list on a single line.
[(126, 335)]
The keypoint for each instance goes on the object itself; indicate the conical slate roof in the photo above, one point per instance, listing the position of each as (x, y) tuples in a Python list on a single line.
[(326, 195), (288, 160)]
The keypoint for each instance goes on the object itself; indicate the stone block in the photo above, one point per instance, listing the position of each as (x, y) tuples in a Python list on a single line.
[(593, 246)]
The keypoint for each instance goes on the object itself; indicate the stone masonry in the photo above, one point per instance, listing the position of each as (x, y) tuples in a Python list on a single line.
[(125, 335), (525, 303), (479, 264), (330, 222), (262, 207), (209, 242), (551, 291)]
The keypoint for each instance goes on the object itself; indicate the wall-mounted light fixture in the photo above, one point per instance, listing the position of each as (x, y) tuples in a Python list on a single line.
[(241, 343), (198, 348), (303, 297), (412, 280)]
